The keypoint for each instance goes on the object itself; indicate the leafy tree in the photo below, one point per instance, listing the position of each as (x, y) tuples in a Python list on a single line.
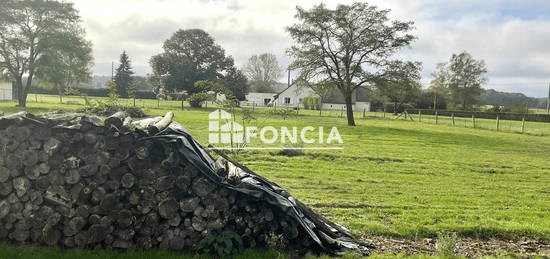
[(349, 45), (462, 77), (27, 30), (426, 100), (237, 83), (208, 91), (401, 83), (132, 91), (113, 92), (67, 65), (263, 71), (123, 76), (189, 56)]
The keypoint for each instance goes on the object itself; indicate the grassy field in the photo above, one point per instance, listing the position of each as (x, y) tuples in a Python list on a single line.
[(399, 178)]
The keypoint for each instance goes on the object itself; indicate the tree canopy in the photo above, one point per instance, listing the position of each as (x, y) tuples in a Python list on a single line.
[(237, 83), (462, 77), (124, 75), (263, 71), (350, 45), (189, 56), (68, 64), (401, 84), (28, 29)]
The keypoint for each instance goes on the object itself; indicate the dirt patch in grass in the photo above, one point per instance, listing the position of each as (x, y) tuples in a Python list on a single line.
[(472, 248), (385, 160)]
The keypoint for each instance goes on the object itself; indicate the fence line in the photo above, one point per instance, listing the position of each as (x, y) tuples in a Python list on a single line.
[(451, 118)]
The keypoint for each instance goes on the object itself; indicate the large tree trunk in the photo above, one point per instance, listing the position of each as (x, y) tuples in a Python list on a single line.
[(349, 108), (19, 88)]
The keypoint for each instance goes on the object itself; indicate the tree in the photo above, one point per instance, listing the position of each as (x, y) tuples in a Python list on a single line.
[(263, 71), (208, 91), (189, 56), (68, 64), (462, 77), (132, 91), (26, 30), (237, 83), (123, 76), (401, 83), (348, 46)]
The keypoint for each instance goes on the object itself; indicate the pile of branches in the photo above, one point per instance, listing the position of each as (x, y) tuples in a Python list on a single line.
[(78, 181)]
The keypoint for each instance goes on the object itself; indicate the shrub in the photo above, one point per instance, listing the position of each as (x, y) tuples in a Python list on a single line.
[(223, 244), (284, 113), (311, 103), (197, 99), (445, 244)]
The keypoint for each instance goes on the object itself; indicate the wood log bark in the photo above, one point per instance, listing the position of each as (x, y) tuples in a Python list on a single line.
[(116, 120)]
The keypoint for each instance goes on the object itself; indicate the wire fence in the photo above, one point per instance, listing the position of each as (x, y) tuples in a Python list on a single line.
[(520, 123)]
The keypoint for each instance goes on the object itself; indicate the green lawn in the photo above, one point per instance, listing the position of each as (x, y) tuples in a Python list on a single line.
[(401, 178)]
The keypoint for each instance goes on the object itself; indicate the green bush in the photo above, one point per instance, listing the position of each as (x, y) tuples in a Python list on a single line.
[(197, 99), (311, 103), (223, 244), (445, 244)]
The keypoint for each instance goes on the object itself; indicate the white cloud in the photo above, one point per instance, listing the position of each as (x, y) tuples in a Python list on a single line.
[(513, 42)]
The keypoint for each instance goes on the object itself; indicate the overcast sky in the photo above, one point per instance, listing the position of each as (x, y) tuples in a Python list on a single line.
[(512, 36)]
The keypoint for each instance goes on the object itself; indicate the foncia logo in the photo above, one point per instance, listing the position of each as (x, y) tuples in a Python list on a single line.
[(224, 130)]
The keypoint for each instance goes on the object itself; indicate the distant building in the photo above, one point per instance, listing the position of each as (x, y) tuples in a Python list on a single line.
[(6, 91), (292, 97), (336, 101)]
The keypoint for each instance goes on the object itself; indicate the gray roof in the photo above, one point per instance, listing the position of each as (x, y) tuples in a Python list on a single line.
[(336, 96)]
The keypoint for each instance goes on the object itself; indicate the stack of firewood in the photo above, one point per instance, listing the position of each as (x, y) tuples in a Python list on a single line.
[(78, 181)]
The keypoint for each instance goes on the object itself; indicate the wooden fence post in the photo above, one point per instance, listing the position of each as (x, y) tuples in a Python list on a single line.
[(523, 125), (384, 112), (158, 102), (364, 113), (474, 121), (498, 122), (342, 112), (436, 117), (419, 116), (405, 112), (453, 118)]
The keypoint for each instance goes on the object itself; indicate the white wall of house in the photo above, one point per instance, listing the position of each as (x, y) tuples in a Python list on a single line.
[(293, 96), (5, 91), (259, 99), (358, 106), (335, 106), (362, 106)]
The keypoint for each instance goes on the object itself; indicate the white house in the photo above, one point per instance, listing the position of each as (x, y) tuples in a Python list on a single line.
[(292, 97), (6, 91)]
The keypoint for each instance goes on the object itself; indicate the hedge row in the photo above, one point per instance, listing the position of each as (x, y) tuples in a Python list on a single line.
[(99, 92)]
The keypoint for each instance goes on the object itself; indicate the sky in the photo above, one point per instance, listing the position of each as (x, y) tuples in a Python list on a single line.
[(511, 36)]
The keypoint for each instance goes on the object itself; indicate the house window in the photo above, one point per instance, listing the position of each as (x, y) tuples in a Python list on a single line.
[(287, 100), (267, 101)]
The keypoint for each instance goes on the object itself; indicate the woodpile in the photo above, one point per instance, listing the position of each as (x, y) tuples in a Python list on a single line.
[(78, 181)]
